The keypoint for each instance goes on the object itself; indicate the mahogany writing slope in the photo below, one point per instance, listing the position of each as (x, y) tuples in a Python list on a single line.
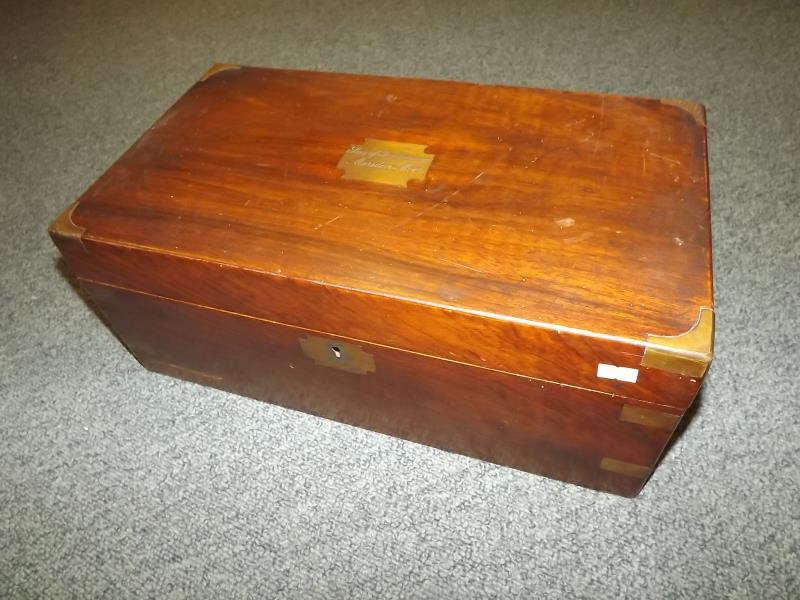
[(518, 275)]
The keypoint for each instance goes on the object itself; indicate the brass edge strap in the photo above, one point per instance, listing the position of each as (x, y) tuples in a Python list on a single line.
[(656, 419), (624, 468)]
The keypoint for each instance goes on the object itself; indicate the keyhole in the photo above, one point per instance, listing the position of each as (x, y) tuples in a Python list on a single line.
[(337, 352)]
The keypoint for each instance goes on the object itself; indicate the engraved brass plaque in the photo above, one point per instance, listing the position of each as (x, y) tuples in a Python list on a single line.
[(337, 354), (382, 161)]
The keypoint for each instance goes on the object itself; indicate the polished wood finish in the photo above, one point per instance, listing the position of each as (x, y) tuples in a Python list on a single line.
[(559, 431), (501, 345), (550, 232)]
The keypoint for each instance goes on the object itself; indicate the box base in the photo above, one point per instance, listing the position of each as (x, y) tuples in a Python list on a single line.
[(571, 434)]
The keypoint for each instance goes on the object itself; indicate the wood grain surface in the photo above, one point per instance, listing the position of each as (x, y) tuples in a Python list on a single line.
[(553, 230), (457, 336), (580, 210), (561, 432), (488, 247)]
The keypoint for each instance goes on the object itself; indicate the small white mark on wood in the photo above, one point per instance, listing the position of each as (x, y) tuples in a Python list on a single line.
[(565, 222), (578, 238), (463, 266), (625, 374), (326, 223), (438, 204), (678, 241), (664, 158)]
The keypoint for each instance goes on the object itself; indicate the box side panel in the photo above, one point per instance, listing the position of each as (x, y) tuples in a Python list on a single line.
[(580, 436), (471, 338)]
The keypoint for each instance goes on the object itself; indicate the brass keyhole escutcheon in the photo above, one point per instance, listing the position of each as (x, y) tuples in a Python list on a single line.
[(345, 356)]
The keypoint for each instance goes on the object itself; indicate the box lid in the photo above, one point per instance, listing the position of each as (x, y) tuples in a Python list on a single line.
[(551, 213)]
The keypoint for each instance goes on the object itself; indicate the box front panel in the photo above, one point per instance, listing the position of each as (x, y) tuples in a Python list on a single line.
[(576, 435), (502, 345)]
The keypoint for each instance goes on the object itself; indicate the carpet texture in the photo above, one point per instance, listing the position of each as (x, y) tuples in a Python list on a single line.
[(116, 482)]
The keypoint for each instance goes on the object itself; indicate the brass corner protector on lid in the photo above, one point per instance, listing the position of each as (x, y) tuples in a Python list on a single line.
[(217, 68), (695, 109), (689, 353), (64, 226)]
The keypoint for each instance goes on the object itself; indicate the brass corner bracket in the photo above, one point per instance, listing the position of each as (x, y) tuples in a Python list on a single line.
[(65, 227), (695, 109), (689, 353), (217, 68)]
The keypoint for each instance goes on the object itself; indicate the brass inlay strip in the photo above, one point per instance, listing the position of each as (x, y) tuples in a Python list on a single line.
[(649, 418), (624, 468), (686, 354)]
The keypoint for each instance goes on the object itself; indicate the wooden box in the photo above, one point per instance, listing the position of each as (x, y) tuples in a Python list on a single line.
[(518, 275)]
